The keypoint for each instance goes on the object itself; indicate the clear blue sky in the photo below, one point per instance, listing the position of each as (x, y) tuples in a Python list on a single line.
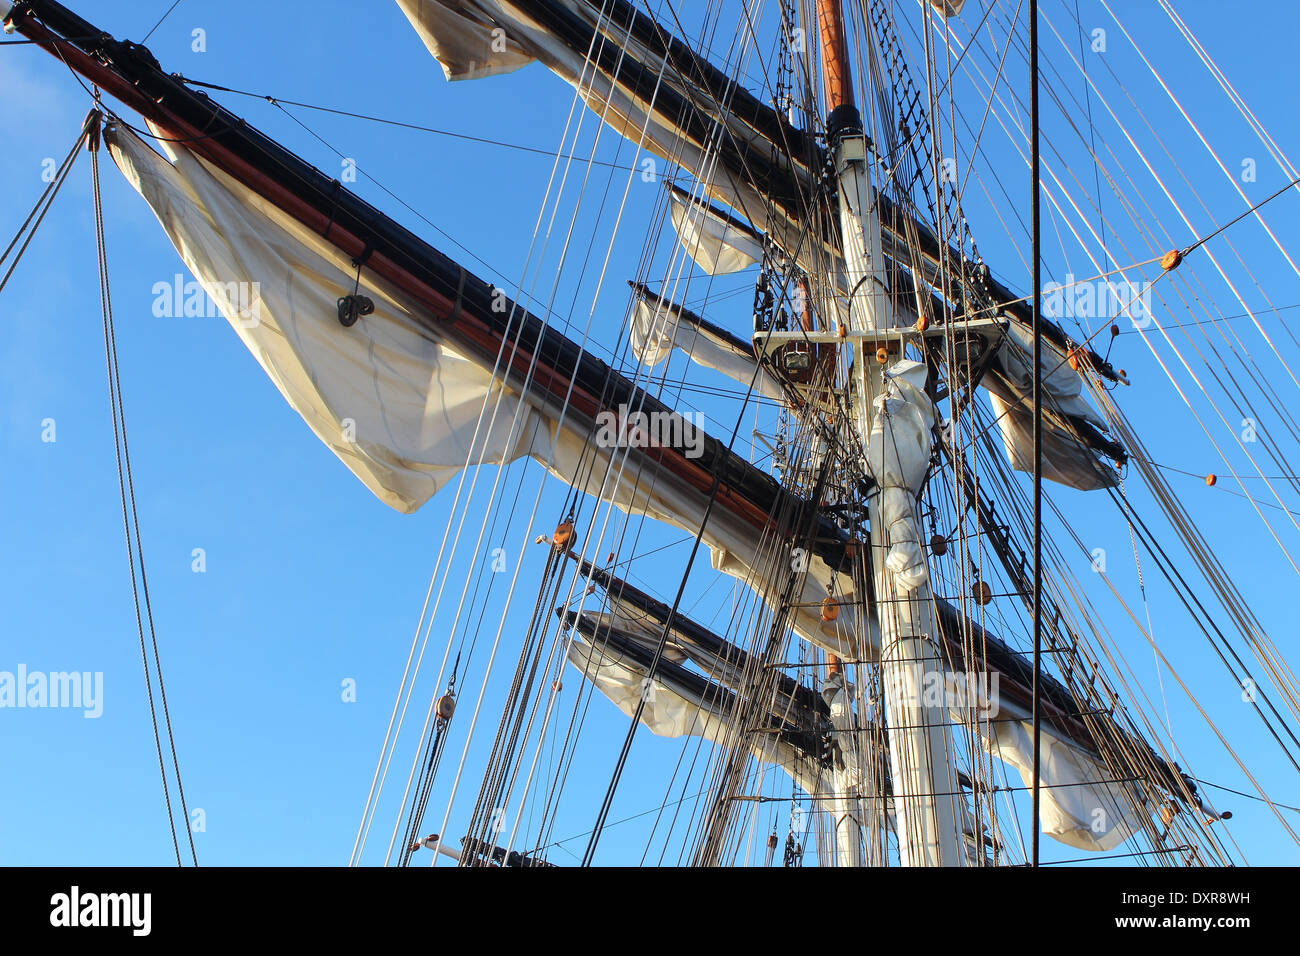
[(311, 581)]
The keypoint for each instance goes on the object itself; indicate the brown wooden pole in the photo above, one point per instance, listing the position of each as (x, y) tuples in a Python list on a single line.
[(837, 80)]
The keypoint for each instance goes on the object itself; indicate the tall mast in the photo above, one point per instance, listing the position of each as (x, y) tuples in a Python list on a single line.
[(920, 746), (1035, 174)]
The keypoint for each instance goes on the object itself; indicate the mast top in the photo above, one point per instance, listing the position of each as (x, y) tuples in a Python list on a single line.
[(837, 78)]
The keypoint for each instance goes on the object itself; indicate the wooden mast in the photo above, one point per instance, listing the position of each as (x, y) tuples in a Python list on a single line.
[(837, 83)]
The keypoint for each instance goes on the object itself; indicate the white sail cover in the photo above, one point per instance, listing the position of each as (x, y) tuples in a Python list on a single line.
[(1066, 460), (657, 329), (717, 246), (898, 456)]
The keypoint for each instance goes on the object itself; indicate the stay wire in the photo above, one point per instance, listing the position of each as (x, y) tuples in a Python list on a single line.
[(131, 520), (42, 207), (175, 4)]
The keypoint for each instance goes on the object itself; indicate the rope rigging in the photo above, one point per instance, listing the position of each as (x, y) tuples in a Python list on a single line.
[(131, 520)]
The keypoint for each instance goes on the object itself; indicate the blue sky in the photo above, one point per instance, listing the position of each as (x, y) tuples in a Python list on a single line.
[(310, 581)]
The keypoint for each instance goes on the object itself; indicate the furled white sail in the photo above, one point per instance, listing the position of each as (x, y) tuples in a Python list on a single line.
[(463, 40), (1081, 804), (611, 98), (717, 246), (1066, 460), (398, 407), (657, 329), (1062, 383), (671, 711)]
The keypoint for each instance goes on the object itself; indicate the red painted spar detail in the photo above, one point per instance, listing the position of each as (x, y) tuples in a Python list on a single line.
[(469, 329)]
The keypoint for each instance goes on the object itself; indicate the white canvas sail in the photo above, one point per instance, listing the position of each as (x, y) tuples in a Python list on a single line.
[(671, 711), (463, 41), (399, 408), (717, 246), (610, 97), (1081, 804), (657, 329), (709, 239), (1066, 460)]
